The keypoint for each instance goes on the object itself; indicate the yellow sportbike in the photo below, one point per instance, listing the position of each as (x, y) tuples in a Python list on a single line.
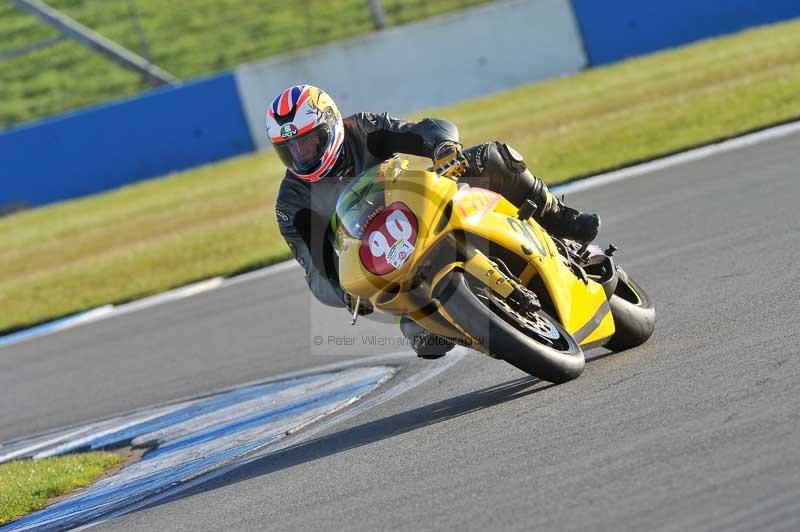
[(466, 264)]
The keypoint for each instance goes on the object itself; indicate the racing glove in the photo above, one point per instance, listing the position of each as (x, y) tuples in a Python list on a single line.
[(449, 160)]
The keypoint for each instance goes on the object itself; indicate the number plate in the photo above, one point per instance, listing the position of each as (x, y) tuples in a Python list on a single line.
[(389, 239)]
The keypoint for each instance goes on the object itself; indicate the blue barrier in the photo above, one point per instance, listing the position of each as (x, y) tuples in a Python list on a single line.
[(203, 121), (112, 145), (616, 29)]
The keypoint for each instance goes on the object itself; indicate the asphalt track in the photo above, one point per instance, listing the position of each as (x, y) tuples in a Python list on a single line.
[(699, 429)]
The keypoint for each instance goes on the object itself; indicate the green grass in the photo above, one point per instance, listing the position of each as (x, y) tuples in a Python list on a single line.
[(27, 485), (188, 38), (219, 219)]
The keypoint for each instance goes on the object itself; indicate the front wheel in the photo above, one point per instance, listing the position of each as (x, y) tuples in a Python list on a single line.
[(633, 312), (531, 340)]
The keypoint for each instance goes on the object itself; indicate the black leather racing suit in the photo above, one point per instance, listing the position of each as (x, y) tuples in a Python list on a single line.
[(304, 209)]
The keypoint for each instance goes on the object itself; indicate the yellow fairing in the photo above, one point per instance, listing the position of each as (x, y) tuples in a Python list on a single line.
[(426, 195), (582, 306), (578, 303)]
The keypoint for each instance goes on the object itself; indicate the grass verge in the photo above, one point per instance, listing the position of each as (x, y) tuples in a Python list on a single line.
[(218, 219), (188, 38), (27, 485)]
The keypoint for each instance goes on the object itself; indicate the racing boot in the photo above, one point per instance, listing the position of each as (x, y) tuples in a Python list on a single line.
[(501, 168), (425, 344), (565, 222)]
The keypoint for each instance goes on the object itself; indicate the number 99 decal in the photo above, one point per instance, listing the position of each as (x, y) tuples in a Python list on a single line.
[(389, 239)]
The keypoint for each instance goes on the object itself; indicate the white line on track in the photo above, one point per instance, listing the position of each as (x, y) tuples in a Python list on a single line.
[(109, 311), (689, 156), (381, 396), (50, 436)]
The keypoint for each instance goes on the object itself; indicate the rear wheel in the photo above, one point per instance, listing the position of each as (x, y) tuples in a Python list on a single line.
[(633, 312), (530, 340)]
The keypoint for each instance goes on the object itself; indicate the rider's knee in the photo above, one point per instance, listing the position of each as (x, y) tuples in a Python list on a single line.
[(511, 158), (424, 343), (515, 181), (495, 159)]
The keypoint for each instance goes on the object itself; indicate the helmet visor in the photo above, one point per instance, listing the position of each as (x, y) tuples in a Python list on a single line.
[(303, 154)]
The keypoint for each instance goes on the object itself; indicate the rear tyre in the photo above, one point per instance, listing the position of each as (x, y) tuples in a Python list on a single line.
[(531, 341), (634, 315)]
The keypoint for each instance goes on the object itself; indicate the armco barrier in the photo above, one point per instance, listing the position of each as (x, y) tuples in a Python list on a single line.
[(112, 145), (430, 63), (616, 29)]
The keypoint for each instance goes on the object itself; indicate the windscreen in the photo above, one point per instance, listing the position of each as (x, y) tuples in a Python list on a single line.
[(359, 203)]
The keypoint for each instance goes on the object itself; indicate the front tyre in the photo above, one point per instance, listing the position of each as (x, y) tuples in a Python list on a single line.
[(633, 312), (531, 341)]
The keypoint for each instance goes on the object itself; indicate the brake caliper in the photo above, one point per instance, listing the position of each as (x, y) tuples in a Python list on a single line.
[(525, 300)]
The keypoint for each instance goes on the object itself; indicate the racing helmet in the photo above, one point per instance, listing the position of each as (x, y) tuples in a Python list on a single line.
[(306, 130)]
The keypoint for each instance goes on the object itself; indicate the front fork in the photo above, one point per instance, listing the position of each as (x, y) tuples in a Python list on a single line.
[(591, 263), (489, 274)]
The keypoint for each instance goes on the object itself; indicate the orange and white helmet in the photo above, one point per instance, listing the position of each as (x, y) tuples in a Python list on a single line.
[(306, 129)]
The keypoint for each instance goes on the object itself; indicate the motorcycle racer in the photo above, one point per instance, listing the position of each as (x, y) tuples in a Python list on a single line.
[(323, 152)]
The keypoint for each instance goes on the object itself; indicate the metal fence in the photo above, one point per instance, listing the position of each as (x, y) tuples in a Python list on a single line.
[(44, 72)]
